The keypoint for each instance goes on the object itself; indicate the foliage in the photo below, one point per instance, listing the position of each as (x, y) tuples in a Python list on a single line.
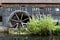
[(33, 25), (56, 30), (40, 25), (47, 23)]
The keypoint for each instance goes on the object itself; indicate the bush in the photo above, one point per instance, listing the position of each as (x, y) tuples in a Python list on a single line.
[(46, 25), (40, 25), (56, 30), (33, 25)]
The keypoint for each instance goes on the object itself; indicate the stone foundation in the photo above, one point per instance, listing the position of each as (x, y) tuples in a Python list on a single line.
[(3, 29)]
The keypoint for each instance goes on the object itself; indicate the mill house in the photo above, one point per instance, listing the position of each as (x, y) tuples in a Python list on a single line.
[(14, 12)]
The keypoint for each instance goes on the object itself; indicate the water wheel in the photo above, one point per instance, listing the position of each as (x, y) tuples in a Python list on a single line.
[(17, 18)]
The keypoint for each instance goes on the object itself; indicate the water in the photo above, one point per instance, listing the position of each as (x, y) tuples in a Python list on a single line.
[(27, 37)]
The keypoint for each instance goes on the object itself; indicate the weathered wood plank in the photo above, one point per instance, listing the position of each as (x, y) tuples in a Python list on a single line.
[(30, 1)]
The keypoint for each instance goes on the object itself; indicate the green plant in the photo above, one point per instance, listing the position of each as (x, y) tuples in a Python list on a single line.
[(46, 24), (33, 25), (56, 30), (40, 25)]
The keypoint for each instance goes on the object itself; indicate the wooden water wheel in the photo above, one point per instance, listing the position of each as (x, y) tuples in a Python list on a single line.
[(17, 18)]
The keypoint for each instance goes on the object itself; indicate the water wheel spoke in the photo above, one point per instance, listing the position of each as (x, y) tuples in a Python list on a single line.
[(21, 16), (17, 16), (14, 25), (13, 20), (17, 25), (23, 24), (26, 19)]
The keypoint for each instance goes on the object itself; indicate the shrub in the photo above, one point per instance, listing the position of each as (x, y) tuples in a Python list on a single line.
[(33, 25), (40, 25), (46, 25), (56, 30)]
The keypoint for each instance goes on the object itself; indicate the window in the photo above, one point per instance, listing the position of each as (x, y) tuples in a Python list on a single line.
[(0, 18)]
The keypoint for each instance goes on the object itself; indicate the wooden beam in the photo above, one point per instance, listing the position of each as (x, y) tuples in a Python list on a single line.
[(30, 1)]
